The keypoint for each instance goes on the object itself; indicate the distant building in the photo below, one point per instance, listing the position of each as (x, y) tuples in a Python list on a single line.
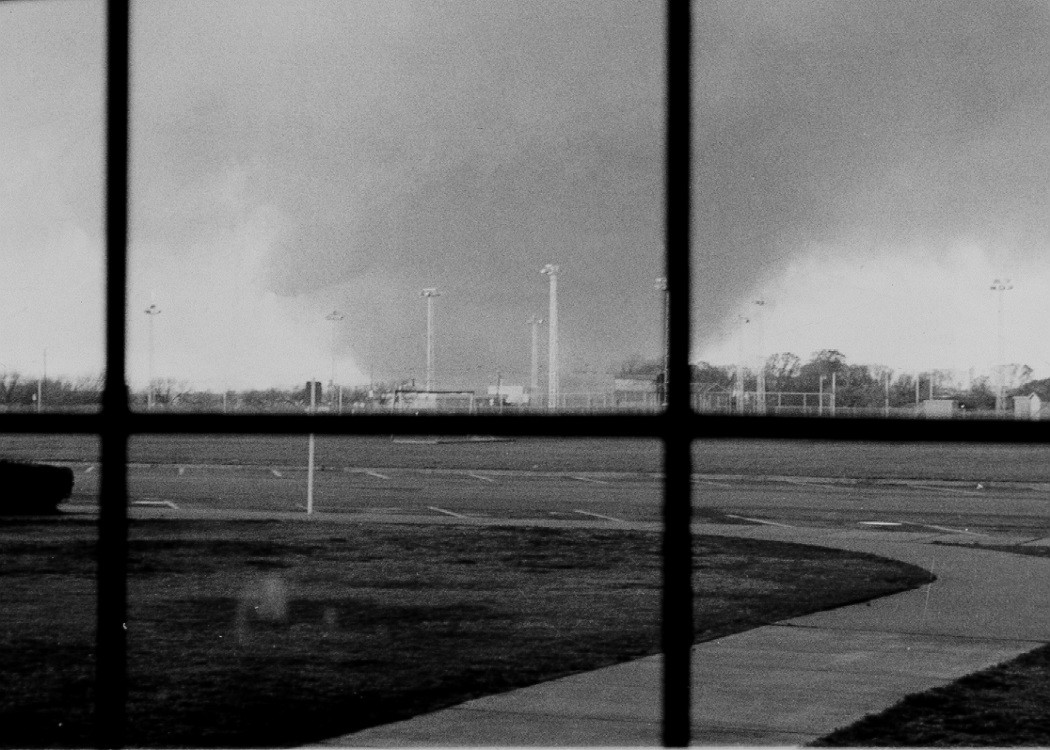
[(1027, 407), (939, 408), (509, 394)]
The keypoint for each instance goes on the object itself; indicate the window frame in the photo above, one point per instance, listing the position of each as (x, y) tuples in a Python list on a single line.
[(677, 427)]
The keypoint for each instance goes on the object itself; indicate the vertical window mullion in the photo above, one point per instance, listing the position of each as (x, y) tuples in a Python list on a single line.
[(111, 654), (677, 603)]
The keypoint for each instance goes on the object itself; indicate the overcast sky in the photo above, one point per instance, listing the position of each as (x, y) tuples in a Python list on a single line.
[(865, 168)]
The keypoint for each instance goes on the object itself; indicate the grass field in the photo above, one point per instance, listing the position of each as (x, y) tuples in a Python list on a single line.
[(978, 463), (268, 633), (1005, 706)]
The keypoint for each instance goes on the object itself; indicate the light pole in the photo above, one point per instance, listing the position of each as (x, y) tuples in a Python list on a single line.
[(334, 317), (534, 375), (552, 332), (152, 311), (429, 294), (1001, 285), (760, 385), (744, 320), (661, 286)]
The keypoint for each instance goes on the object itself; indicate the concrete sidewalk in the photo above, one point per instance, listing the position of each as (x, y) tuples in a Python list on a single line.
[(788, 683)]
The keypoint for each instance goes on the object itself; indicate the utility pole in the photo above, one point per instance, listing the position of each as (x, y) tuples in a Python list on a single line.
[(760, 385), (1000, 286), (534, 374), (820, 396), (886, 410), (833, 392), (550, 270), (152, 311), (661, 285), (333, 317), (429, 294)]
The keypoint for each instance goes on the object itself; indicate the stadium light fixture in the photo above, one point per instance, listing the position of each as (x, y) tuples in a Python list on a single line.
[(550, 270), (152, 311), (429, 295)]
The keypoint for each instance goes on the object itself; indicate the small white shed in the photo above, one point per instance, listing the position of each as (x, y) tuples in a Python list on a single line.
[(1027, 407)]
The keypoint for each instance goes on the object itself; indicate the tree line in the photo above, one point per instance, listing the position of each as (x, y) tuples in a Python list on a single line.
[(856, 385)]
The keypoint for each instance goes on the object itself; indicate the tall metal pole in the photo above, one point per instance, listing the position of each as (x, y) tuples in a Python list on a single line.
[(1001, 285), (152, 311), (551, 271), (740, 364), (334, 317), (661, 285), (534, 375), (310, 455), (429, 294), (760, 386)]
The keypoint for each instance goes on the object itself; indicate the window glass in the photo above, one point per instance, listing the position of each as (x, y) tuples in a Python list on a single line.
[(48, 558), (869, 224), (51, 209), (428, 572), (366, 195)]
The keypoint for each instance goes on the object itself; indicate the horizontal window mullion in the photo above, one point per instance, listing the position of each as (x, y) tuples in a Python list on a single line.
[(694, 426)]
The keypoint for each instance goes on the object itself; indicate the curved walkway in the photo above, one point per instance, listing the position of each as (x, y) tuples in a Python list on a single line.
[(788, 683)]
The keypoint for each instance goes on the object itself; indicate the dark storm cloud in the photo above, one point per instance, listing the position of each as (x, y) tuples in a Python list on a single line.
[(867, 127), (458, 144)]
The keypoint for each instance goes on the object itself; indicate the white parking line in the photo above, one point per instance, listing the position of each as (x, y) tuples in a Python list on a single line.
[(952, 531), (182, 471), (761, 521), (89, 469), (276, 473), (163, 503), (949, 490), (376, 474), (479, 476), (599, 515), (446, 512), (588, 479)]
